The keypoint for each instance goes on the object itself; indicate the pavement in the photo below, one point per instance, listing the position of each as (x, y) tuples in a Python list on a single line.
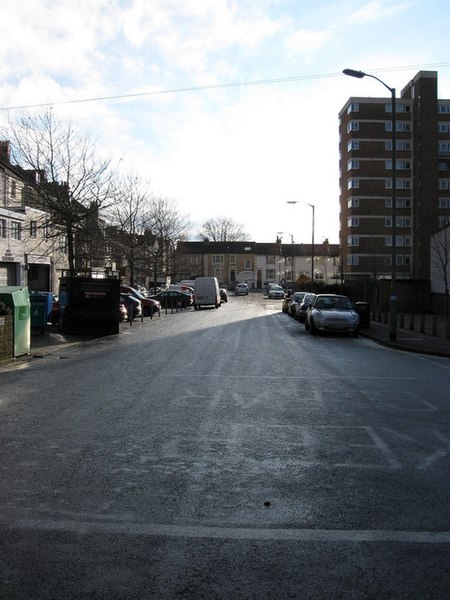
[(407, 340)]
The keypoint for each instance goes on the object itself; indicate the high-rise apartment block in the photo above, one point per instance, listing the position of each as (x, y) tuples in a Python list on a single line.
[(422, 181)]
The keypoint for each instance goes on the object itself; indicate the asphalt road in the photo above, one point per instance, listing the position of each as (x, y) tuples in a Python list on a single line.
[(225, 454)]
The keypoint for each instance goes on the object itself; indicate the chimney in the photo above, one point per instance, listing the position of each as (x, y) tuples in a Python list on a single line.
[(5, 151)]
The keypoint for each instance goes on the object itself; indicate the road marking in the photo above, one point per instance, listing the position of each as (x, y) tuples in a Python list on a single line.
[(234, 533)]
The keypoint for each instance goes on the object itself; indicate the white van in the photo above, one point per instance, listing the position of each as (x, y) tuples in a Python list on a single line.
[(206, 292)]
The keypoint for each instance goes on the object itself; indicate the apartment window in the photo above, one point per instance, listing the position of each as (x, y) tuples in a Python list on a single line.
[(353, 145), (218, 272), (217, 260), (352, 183), (401, 184), (443, 147), (13, 188), (352, 240), (399, 203), (232, 259), (352, 260), (403, 145), (353, 222), (353, 107), (247, 264), (33, 229), (270, 274), (401, 164), (352, 126), (443, 127), (444, 184), (2, 228), (403, 222), (353, 203), (352, 164), (401, 126), (444, 203), (399, 108), (444, 109), (444, 165), (16, 230), (443, 222)]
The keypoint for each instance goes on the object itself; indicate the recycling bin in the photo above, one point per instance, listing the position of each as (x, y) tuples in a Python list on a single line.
[(18, 300), (40, 308)]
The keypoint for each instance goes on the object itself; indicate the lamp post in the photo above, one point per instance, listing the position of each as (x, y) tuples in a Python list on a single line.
[(312, 239), (393, 294), (293, 256)]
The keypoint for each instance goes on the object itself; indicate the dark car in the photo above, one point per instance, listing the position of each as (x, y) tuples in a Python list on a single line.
[(223, 295), (303, 307), (294, 305), (150, 306), (173, 299), (132, 304)]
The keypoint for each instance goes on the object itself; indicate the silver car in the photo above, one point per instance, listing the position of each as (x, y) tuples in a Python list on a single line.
[(276, 291), (331, 312)]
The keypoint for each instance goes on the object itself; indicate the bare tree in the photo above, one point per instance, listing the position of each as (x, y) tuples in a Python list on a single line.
[(222, 229), (70, 182), (166, 227), (440, 262), (128, 220)]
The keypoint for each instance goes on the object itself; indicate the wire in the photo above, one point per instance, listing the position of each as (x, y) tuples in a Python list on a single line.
[(215, 87)]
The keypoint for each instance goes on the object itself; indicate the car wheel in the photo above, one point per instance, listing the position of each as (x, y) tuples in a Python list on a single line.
[(355, 333)]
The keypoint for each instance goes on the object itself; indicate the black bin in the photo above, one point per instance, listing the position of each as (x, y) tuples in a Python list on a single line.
[(363, 310)]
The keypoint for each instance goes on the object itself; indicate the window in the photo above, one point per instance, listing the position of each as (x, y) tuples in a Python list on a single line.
[(353, 222), (33, 229), (352, 126), (444, 127), (270, 274), (403, 222), (16, 230), (444, 184), (352, 164), (444, 165), (401, 184), (352, 260), (2, 228), (443, 147), (13, 188), (232, 259), (404, 145), (400, 203), (353, 145), (444, 202), (217, 260), (401, 164), (443, 222), (353, 203), (352, 240), (400, 126), (353, 107), (247, 264), (444, 109), (399, 108), (352, 183)]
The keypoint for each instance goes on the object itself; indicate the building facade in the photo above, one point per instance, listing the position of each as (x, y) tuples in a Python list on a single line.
[(257, 263), (422, 181)]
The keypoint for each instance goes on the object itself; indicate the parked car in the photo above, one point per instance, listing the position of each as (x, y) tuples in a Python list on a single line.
[(223, 295), (149, 305), (241, 289), (132, 304), (173, 298), (296, 300), (302, 308), (277, 292), (331, 312)]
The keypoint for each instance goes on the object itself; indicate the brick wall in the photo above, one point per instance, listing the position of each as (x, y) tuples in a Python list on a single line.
[(6, 337)]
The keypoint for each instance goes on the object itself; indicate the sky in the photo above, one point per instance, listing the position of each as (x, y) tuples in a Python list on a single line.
[(227, 107)]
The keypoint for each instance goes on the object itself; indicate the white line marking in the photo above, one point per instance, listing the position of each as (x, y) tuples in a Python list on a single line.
[(235, 533)]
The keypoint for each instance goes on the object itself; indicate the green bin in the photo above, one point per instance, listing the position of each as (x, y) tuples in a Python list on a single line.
[(39, 308), (18, 300)]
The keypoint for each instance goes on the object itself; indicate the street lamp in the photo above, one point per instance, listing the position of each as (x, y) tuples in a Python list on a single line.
[(293, 256), (393, 295), (312, 238)]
